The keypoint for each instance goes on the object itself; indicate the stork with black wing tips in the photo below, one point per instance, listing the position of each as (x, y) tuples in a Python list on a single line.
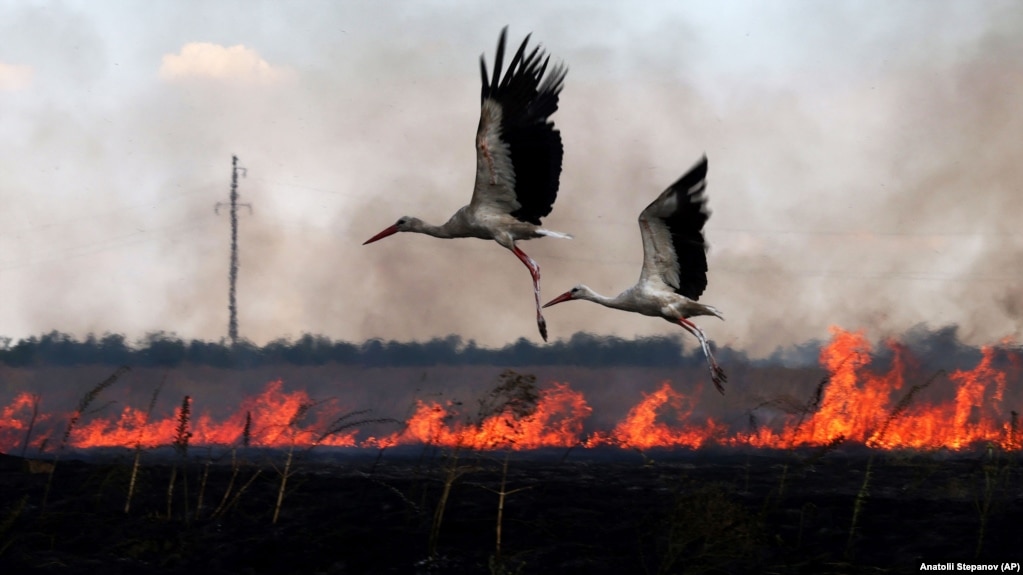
[(518, 161), (674, 271)]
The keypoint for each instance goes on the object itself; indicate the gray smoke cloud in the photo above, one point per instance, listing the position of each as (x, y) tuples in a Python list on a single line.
[(863, 168)]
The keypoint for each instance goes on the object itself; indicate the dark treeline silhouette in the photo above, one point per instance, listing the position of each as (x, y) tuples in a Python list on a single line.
[(937, 348), (161, 349)]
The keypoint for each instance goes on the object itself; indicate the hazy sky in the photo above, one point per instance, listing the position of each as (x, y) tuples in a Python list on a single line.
[(866, 164)]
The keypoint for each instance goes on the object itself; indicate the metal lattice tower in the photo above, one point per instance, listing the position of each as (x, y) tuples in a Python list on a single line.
[(232, 303)]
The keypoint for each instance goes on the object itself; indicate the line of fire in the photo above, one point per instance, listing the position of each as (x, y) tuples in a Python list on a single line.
[(901, 407)]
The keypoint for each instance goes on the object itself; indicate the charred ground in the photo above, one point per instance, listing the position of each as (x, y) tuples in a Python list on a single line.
[(575, 511)]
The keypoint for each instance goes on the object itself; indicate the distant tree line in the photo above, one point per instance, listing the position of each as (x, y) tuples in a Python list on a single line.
[(161, 349), (934, 348)]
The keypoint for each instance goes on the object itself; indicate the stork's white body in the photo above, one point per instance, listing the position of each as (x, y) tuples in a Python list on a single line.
[(654, 301), (485, 223)]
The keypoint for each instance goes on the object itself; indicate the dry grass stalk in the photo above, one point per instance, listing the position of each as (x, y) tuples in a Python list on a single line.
[(83, 404), (181, 437), (994, 467), (792, 406), (346, 422), (808, 509), (338, 425), (1014, 439), (202, 482), (984, 504), (861, 498), (875, 440), (517, 396), (138, 446), (823, 450), (452, 473), (238, 495), (502, 494), (31, 424), (236, 464), (901, 408), (9, 521), (299, 415), (811, 406)]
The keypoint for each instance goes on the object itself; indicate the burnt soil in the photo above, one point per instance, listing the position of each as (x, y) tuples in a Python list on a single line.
[(575, 511)]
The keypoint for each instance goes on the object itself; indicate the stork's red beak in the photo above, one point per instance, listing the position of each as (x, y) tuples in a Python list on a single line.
[(563, 297), (388, 232)]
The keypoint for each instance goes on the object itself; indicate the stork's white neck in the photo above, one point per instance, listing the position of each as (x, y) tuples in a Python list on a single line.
[(421, 227), (621, 301)]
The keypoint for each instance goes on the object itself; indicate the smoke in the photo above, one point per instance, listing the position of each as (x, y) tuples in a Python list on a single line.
[(14, 77), (862, 168)]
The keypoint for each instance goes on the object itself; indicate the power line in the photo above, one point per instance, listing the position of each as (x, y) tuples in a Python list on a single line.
[(131, 239), (404, 203), (107, 244), (867, 234), (9, 231), (312, 189)]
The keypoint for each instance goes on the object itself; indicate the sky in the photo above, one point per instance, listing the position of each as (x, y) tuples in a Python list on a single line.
[(865, 166)]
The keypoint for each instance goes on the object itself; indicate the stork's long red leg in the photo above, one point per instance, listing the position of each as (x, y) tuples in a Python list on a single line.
[(534, 270), (717, 375)]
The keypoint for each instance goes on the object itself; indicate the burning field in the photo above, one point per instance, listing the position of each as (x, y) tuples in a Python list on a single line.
[(901, 408), (875, 461)]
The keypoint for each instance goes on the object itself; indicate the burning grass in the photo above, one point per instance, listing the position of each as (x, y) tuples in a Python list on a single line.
[(845, 479), (896, 407)]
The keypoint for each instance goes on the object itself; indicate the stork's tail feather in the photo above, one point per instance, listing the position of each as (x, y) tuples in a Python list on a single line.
[(553, 234), (711, 310)]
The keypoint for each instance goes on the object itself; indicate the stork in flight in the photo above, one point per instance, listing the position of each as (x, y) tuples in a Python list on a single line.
[(518, 161), (674, 263)]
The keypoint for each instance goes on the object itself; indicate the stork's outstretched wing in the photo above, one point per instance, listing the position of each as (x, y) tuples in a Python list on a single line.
[(674, 251), (518, 150)]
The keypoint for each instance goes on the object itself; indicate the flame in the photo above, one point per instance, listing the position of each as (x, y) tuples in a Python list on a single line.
[(641, 430), (895, 409), (557, 421), (272, 423), (854, 403), (16, 419)]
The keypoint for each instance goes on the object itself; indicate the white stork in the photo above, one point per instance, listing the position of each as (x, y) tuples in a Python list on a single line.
[(518, 161), (674, 263)]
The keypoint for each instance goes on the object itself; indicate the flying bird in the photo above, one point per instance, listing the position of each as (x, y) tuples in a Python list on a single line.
[(674, 271), (518, 161)]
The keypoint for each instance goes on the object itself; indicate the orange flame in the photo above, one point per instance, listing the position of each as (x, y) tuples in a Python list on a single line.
[(556, 422), (855, 406), (641, 430), (15, 420), (272, 414), (860, 407)]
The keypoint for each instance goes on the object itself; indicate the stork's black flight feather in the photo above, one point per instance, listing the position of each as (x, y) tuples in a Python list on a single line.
[(527, 101), (686, 226)]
